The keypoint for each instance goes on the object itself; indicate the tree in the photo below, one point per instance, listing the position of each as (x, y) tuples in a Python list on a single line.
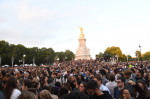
[(100, 55), (146, 56), (69, 55), (123, 57), (60, 55), (112, 51), (129, 57), (4, 52)]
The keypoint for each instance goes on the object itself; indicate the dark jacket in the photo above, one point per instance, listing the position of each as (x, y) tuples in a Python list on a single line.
[(116, 92), (1, 95), (104, 96)]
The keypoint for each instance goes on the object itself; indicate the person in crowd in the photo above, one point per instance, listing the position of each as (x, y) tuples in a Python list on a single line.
[(59, 78), (45, 94), (36, 85), (127, 75), (1, 90), (141, 88), (34, 90), (78, 85), (27, 95), (82, 87), (111, 84), (26, 85), (75, 95), (12, 91), (120, 85), (94, 92), (124, 94), (63, 91), (52, 91), (103, 88), (26, 75), (139, 75), (148, 80)]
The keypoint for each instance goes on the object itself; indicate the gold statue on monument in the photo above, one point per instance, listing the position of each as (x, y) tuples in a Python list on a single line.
[(81, 29), (81, 35)]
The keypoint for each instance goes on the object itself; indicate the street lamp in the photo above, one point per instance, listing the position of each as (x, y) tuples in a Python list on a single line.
[(57, 59), (12, 60), (23, 59), (140, 54), (33, 60), (116, 57), (127, 58), (0, 60)]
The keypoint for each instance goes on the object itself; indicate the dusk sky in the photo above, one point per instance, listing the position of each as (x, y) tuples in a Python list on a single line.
[(55, 23)]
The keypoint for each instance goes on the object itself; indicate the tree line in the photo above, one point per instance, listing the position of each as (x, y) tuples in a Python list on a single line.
[(116, 51), (11, 52)]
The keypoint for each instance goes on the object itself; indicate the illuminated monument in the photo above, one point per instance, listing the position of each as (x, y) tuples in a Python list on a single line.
[(82, 52)]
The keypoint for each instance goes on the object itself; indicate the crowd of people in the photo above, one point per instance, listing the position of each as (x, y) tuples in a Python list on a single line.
[(81, 79)]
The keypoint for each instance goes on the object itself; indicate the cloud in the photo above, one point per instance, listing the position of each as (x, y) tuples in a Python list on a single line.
[(33, 15)]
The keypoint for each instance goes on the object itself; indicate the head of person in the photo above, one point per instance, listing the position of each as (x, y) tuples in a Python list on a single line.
[(124, 94), (73, 78), (26, 74), (78, 84), (4, 82), (63, 91), (92, 85), (58, 74), (139, 73), (36, 85), (121, 82), (82, 87), (112, 77), (75, 95), (132, 70), (127, 73), (142, 84), (98, 79), (26, 85), (27, 95), (33, 90), (11, 84), (45, 94)]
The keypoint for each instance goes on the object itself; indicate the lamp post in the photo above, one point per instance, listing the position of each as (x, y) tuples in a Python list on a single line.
[(33, 60), (116, 57), (0, 60), (23, 59), (58, 59), (12, 60), (140, 54)]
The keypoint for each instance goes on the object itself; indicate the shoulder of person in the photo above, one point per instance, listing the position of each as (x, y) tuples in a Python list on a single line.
[(105, 96), (15, 94)]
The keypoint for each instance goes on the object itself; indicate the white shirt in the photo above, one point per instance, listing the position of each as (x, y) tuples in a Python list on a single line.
[(104, 88), (111, 85), (15, 94)]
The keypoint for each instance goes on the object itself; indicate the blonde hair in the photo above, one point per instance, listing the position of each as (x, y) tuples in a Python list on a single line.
[(45, 94)]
